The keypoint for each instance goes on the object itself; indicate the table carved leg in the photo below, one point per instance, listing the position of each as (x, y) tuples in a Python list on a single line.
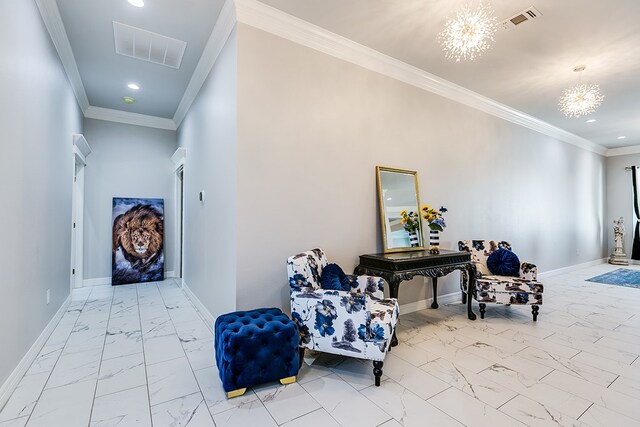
[(434, 304)]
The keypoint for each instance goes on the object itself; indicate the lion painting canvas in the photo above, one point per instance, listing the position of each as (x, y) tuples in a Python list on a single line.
[(138, 240)]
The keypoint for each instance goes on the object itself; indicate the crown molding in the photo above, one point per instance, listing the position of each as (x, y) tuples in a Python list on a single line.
[(126, 117), (53, 21), (279, 23), (623, 151), (222, 29)]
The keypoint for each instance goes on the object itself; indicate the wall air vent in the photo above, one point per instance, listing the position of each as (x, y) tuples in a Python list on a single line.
[(528, 14), (147, 46)]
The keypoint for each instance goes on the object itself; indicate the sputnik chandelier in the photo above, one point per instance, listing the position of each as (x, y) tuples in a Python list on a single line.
[(469, 34), (581, 99)]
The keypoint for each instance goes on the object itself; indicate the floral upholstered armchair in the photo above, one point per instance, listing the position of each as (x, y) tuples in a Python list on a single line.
[(357, 323), (523, 289)]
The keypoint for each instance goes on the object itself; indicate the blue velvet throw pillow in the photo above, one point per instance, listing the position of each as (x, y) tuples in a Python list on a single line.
[(503, 262), (333, 278)]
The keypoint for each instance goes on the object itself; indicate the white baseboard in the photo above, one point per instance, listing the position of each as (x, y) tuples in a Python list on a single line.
[(572, 268), (208, 318), (12, 382), (410, 307), (99, 281)]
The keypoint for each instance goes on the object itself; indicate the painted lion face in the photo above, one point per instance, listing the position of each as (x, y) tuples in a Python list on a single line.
[(139, 232)]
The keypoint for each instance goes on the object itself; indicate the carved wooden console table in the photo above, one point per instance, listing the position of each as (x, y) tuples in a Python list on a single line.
[(396, 267)]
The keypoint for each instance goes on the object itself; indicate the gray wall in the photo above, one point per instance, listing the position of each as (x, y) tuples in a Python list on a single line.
[(126, 161), (38, 115), (208, 133), (620, 199), (312, 128)]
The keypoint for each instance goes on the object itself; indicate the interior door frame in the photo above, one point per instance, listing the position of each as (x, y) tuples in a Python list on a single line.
[(178, 159), (81, 150)]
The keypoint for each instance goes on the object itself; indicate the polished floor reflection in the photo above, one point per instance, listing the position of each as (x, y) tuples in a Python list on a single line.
[(142, 355)]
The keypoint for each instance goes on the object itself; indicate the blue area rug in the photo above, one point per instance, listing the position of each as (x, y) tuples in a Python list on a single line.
[(619, 277)]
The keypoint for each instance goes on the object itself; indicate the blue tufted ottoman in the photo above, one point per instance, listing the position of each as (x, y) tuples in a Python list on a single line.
[(255, 347)]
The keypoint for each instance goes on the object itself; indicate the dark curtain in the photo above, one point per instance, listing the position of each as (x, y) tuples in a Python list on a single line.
[(635, 253)]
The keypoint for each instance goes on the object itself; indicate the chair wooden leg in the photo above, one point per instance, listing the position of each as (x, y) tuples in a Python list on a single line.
[(483, 308), (377, 371), (464, 297), (534, 310)]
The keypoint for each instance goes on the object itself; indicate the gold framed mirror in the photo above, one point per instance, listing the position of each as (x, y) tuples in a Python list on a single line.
[(399, 203)]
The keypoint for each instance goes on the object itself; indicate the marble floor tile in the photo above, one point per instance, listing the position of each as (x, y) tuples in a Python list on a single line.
[(285, 402), (124, 408), (406, 407), (75, 367), (469, 382), (193, 330), (313, 371), (319, 417), (344, 403), (68, 406), (121, 373), (535, 414), (470, 411), (415, 379), (190, 410), (24, 397), (170, 380), (121, 343), (598, 416), (553, 397), (458, 356), (605, 397), (626, 386), (251, 414), (157, 327), (45, 361), (16, 422), (162, 348), (357, 372), (214, 395), (200, 353)]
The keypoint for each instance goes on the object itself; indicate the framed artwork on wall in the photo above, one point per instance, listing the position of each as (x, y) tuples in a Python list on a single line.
[(138, 240)]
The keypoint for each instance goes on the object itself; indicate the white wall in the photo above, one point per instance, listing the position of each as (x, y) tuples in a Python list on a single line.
[(620, 199), (312, 128), (38, 115), (208, 133), (126, 161)]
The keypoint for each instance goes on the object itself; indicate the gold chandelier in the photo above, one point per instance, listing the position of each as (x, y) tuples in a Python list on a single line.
[(469, 34), (582, 99)]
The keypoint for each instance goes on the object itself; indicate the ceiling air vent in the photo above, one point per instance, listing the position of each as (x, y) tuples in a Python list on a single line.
[(526, 15), (147, 46)]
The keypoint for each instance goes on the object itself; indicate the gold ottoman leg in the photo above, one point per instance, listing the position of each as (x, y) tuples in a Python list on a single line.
[(236, 393), (289, 380)]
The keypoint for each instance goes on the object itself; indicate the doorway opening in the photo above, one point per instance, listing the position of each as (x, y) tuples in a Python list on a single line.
[(81, 150)]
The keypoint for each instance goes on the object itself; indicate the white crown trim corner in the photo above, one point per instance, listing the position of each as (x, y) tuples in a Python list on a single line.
[(222, 29), (623, 151), (53, 21), (178, 157), (14, 378), (279, 23), (208, 318), (83, 146), (126, 117)]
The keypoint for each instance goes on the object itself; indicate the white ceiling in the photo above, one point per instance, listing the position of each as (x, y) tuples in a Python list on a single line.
[(527, 68)]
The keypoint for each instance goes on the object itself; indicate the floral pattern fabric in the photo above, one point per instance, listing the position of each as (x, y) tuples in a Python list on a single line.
[(522, 290), (359, 323)]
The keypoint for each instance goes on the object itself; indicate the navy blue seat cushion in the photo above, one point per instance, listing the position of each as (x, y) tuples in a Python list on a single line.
[(503, 262), (334, 279), (255, 347)]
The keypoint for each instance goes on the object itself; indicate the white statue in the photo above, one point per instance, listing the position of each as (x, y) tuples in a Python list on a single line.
[(618, 256)]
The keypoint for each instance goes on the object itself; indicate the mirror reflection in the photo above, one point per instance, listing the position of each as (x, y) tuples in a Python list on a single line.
[(399, 209)]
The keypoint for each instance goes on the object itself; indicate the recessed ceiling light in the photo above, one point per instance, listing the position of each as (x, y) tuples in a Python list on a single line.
[(591, 120), (622, 137), (133, 86), (128, 100), (136, 3)]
